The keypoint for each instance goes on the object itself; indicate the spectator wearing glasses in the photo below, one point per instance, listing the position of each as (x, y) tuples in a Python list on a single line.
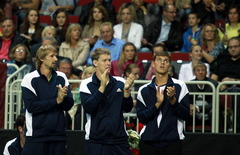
[(166, 31), (211, 44)]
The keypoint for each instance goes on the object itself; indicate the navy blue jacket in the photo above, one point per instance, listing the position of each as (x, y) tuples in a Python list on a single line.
[(162, 126), (45, 120), (105, 122), (13, 147)]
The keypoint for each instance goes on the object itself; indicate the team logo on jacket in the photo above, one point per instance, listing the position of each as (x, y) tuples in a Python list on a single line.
[(119, 90)]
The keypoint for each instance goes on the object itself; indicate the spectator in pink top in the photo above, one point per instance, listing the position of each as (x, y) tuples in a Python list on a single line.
[(128, 56)]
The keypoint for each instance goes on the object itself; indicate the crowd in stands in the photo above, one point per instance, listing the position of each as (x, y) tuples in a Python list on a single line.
[(202, 28)]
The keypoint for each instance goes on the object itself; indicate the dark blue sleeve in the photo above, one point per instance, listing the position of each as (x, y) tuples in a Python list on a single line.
[(90, 102), (127, 104), (182, 109), (68, 101), (34, 105)]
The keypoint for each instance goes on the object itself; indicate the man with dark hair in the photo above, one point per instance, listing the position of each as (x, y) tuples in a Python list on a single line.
[(15, 146), (162, 114), (9, 39), (46, 95), (166, 31), (104, 98)]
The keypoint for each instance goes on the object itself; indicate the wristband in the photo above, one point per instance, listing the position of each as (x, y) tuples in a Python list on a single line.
[(126, 90)]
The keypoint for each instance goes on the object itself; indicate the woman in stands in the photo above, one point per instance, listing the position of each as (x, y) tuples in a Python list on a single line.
[(91, 31), (61, 23), (128, 30), (186, 70), (19, 55), (232, 28), (211, 45), (31, 28), (127, 56), (75, 48)]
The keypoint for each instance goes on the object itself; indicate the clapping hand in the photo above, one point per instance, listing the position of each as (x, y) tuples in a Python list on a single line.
[(62, 93)]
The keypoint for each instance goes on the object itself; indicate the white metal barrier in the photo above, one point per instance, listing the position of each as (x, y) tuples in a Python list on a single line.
[(13, 96), (13, 103), (233, 108), (213, 94)]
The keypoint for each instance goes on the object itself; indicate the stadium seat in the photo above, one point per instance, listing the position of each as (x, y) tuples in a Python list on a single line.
[(45, 19), (145, 56), (180, 56), (73, 19), (84, 2), (117, 3)]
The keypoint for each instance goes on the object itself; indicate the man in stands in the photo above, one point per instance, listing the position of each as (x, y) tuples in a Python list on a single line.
[(114, 45), (9, 38), (166, 31)]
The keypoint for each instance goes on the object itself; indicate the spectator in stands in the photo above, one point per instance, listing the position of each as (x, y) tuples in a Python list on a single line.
[(15, 146), (166, 31), (172, 73), (127, 29), (6, 9), (91, 32), (227, 69), (50, 7), (61, 23), (127, 56), (31, 28), (150, 66), (200, 72), (65, 66), (183, 6), (49, 31), (114, 45), (232, 28), (192, 36), (9, 39), (74, 47), (162, 106), (104, 99), (19, 55), (83, 19), (21, 7), (227, 66), (211, 45), (186, 71), (206, 10), (46, 95)]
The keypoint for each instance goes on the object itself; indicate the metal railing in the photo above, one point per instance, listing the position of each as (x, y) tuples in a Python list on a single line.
[(13, 95)]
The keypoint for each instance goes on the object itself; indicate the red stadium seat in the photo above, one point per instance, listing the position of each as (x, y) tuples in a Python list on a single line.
[(145, 56), (84, 2), (45, 19), (73, 19), (180, 56), (117, 3)]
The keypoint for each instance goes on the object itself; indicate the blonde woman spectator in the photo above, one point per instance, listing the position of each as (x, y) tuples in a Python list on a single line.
[(211, 44), (128, 30), (75, 48), (88, 72), (186, 71)]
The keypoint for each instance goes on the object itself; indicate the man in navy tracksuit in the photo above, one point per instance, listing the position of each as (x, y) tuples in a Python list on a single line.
[(104, 98), (14, 146), (46, 94), (162, 106)]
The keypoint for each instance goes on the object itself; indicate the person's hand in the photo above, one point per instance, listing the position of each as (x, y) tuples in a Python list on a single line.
[(171, 94), (129, 82), (62, 93), (193, 41), (144, 41), (213, 7), (26, 36), (160, 97), (53, 8), (103, 80)]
